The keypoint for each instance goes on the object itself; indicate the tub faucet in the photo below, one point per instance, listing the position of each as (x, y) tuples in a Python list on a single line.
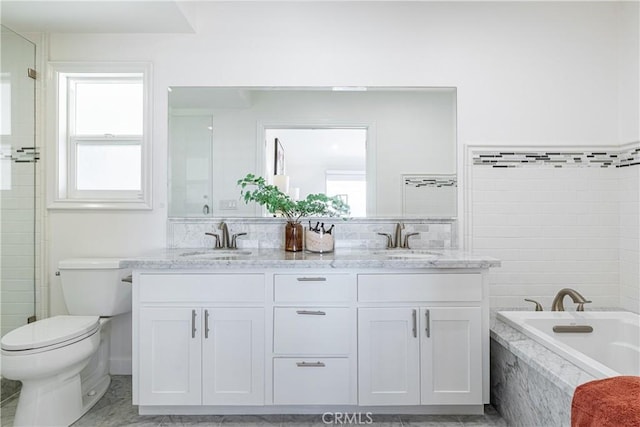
[(557, 304)]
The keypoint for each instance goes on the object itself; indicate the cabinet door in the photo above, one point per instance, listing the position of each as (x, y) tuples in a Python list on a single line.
[(451, 355), (388, 356), (170, 351), (233, 356)]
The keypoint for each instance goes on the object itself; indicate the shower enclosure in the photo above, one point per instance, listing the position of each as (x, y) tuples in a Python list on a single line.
[(18, 192)]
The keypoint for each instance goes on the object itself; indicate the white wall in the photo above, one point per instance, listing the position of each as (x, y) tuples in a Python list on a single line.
[(526, 73), (629, 131)]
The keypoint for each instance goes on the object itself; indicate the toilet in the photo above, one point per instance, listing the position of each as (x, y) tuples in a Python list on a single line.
[(63, 361)]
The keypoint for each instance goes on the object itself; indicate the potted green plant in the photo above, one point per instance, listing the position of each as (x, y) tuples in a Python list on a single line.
[(255, 189)]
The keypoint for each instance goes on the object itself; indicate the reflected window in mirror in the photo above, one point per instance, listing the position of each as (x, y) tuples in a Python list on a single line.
[(330, 160)]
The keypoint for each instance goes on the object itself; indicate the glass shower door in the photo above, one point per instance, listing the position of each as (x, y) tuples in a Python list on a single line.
[(190, 165), (17, 181)]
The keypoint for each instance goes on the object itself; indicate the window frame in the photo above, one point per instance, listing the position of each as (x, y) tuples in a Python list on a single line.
[(63, 193)]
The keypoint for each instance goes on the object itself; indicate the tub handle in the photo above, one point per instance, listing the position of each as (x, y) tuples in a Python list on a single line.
[(538, 305), (563, 329)]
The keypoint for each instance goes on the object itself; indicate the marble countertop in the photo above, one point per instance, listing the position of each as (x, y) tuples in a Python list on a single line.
[(278, 258)]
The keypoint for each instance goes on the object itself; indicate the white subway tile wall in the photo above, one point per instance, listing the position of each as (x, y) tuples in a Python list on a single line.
[(17, 234), (630, 238), (556, 227)]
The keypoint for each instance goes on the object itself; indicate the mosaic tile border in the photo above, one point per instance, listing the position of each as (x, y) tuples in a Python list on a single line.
[(558, 158), (22, 155), (430, 181)]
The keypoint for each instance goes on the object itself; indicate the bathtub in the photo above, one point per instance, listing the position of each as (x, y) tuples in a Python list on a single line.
[(611, 349)]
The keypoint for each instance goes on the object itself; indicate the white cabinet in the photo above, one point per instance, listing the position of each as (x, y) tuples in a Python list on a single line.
[(170, 353), (388, 356), (314, 339), (233, 356), (419, 355), (451, 355), (426, 354), (205, 341), (196, 353)]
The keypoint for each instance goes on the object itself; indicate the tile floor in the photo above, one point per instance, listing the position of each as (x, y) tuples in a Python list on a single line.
[(115, 410)]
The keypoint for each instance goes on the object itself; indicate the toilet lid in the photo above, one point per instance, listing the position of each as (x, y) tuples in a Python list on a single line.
[(50, 331)]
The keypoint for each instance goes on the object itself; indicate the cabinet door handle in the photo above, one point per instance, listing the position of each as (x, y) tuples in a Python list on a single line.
[(206, 323), (193, 324), (310, 365), (427, 328), (311, 279), (414, 314), (312, 312)]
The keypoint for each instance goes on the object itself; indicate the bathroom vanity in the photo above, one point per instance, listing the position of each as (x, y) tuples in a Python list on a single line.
[(268, 331)]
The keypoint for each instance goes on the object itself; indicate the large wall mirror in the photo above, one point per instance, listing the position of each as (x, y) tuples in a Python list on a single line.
[(390, 152)]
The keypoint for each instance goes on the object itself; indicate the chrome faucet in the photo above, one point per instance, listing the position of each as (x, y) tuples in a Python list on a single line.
[(557, 304)]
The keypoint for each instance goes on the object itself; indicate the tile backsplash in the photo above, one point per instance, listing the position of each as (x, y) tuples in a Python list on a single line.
[(508, 158), (357, 233)]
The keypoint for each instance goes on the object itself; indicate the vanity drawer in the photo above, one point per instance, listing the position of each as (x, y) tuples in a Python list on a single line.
[(202, 288), (312, 287), (301, 381), (419, 287), (312, 330)]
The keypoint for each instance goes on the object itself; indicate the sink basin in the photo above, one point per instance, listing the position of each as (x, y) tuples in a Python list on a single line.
[(215, 254), (410, 253)]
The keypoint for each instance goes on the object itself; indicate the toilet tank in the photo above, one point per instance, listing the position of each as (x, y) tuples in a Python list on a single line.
[(94, 286)]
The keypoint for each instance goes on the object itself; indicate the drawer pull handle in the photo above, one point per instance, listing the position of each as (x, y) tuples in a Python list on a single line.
[(310, 365), (415, 323), (206, 323), (428, 322), (312, 312), (193, 324), (311, 279)]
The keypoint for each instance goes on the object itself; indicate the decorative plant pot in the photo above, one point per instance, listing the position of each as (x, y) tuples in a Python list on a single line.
[(293, 237), (319, 242)]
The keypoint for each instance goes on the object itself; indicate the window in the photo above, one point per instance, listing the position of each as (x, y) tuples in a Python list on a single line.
[(102, 138), (351, 186)]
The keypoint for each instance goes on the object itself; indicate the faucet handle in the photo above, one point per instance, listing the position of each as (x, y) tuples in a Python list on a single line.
[(389, 239), (234, 239), (215, 236), (405, 244), (538, 305), (581, 305)]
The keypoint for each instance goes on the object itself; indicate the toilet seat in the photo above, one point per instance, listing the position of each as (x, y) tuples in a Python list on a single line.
[(50, 333)]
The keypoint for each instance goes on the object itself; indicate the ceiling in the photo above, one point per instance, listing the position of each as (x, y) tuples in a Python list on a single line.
[(98, 16), (115, 16)]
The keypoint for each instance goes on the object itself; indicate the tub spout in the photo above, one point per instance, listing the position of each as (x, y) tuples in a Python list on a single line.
[(557, 304)]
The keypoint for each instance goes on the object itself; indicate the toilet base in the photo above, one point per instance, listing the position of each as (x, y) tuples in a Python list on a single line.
[(92, 396)]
